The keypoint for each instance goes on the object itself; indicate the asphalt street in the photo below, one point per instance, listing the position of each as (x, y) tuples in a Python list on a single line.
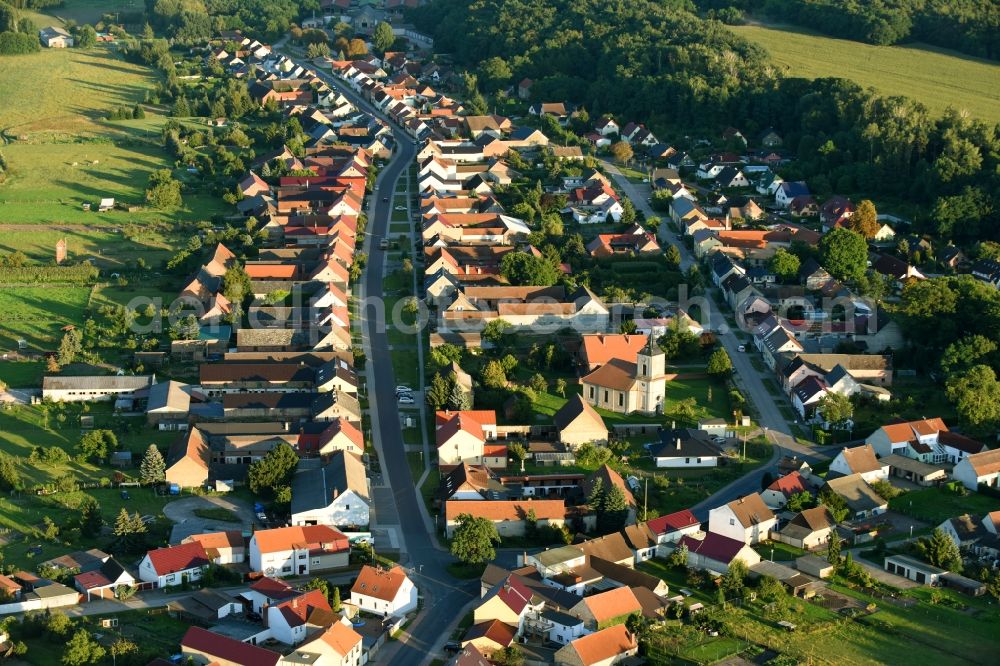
[(442, 594)]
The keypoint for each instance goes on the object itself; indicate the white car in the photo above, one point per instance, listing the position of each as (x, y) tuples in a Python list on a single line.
[(406, 399), (741, 348), (403, 389), (400, 207)]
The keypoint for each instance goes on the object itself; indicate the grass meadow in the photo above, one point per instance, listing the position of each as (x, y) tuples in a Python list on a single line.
[(936, 77), (38, 314)]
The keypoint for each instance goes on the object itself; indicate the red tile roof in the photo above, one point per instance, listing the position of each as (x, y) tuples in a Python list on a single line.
[(274, 588), (673, 522), (297, 610), (300, 538), (788, 484), (379, 583), (497, 510), (612, 604), (601, 646), (341, 638), (222, 647), (178, 558)]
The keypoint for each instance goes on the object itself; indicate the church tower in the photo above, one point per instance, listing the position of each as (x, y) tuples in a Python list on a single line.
[(650, 371)]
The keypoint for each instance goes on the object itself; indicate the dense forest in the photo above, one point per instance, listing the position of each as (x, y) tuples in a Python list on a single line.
[(969, 26), (196, 20), (658, 63)]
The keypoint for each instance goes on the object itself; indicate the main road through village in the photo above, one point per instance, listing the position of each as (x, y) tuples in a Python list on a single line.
[(443, 596)]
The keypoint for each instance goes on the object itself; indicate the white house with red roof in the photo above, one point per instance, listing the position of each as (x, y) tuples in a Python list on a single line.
[(670, 528), (384, 592), (603, 648), (747, 519), (462, 437), (777, 494), (299, 550), (104, 581), (290, 621), (926, 440), (202, 646), (268, 591), (166, 567)]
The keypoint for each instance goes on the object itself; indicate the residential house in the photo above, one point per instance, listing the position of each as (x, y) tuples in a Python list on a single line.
[(609, 646), (809, 529), (335, 494), (578, 423), (299, 551), (715, 552), (606, 609), (489, 636), (685, 447), (510, 601), (290, 621), (508, 515), (166, 567), (987, 270), (188, 460), (861, 499), (747, 519), (670, 528), (777, 494), (386, 592), (914, 471), (835, 212), (203, 647), (338, 645), (222, 548), (463, 437), (788, 191), (979, 469), (266, 592), (104, 581), (926, 440), (859, 460)]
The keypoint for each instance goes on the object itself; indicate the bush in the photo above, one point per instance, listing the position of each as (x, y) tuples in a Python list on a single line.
[(18, 43)]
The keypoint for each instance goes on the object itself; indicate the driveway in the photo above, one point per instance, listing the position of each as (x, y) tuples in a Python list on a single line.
[(182, 512)]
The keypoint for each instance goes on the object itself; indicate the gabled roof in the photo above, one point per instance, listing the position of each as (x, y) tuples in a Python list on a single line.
[(503, 510), (318, 488), (608, 478), (714, 546), (751, 510), (231, 650), (673, 522), (574, 408), (861, 459), (300, 610), (612, 604), (611, 547), (987, 462), (379, 583), (493, 630), (856, 492), (600, 348), (274, 588), (178, 558), (788, 484), (341, 638), (299, 538), (599, 647)]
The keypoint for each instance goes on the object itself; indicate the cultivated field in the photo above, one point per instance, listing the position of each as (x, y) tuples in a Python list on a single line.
[(936, 77)]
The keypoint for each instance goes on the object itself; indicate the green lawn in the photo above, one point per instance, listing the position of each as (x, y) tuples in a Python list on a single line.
[(936, 77), (37, 314), (21, 374), (781, 552), (217, 513), (935, 505)]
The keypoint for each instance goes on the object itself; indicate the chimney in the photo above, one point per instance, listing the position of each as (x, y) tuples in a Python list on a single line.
[(673, 425), (336, 492), (678, 443)]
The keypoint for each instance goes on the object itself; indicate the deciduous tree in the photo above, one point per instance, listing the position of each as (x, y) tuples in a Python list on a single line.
[(864, 220), (474, 539), (844, 253)]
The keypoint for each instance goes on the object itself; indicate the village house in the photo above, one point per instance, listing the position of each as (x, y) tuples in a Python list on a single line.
[(926, 440), (384, 592), (808, 529), (979, 469), (859, 460), (222, 548), (715, 552), (606, 609), (861, 499), (287, 551), (508, 515), (290, 621), (609, 646), (578, 423), (202, 646), (747, 519), (175, 565), (335, 494), (685, 447), (337, 645), (777, 494), (467, 437), (94, 388), (509, 601), (55, 37)]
